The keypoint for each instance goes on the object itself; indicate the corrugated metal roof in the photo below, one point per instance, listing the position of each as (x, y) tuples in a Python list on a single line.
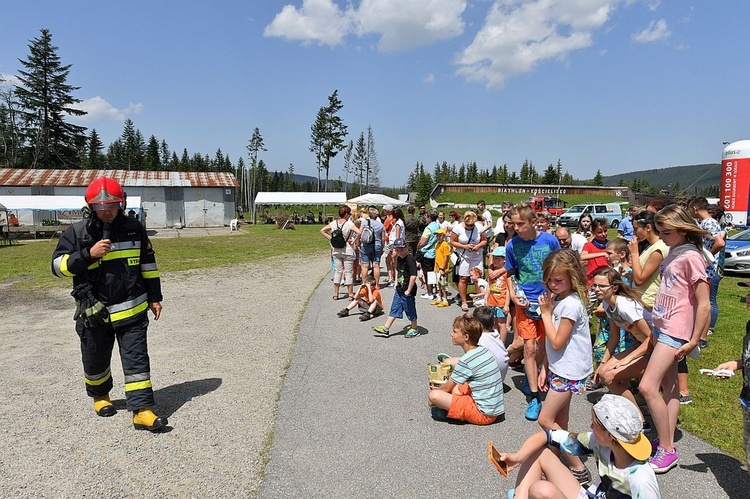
[(82, 178)]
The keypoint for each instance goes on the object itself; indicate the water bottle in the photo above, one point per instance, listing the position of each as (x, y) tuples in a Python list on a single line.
[(520, 295)]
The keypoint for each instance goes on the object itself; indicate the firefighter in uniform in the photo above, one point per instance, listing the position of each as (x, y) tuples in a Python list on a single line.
[(115, 282)]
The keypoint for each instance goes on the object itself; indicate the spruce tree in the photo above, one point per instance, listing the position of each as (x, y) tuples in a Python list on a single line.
[(95, 159), (46, 99)]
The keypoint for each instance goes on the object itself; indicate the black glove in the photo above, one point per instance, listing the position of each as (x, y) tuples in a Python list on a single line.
[(94, 313)]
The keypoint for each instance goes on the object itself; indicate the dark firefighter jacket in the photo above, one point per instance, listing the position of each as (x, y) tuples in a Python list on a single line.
[(125, 280)]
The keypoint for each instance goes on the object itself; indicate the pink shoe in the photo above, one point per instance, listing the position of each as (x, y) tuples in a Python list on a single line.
[(663, 460)]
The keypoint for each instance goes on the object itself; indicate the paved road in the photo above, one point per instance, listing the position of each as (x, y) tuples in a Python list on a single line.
[(353, 420)]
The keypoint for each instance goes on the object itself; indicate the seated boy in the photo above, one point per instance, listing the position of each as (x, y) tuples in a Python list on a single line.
[(490, 339), (474, 392), (368, 299), (616, 441)]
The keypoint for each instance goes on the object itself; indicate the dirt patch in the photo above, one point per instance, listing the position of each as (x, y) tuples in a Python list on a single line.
[(218, 357)]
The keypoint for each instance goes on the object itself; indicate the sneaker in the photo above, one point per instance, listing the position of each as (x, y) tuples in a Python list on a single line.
[(583, 476), (532, 411), (343, 313), (438, 413), (710, 332), (654, 445), (702, 344), (427, 296), (442, 357), (443, 304), (412, 333), (686, 399), (381, 330), (365, 316), (436, 301), (663, 460)]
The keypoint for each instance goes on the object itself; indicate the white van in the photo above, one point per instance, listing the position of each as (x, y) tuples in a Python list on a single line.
[(611, 211)]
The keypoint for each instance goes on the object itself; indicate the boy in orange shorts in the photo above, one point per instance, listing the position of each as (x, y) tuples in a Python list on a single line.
[(524, 255), (368, 300), (474, 392)]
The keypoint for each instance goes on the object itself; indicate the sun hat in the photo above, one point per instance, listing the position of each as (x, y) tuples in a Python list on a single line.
[(399, 243), (622, 419), (388, 207), (440, 231), (499, 251)]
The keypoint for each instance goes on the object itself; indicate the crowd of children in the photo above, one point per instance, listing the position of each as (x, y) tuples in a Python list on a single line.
[(647, 302)]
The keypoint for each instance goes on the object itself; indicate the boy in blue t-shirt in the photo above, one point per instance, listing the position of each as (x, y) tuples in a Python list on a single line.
[(524, 255)]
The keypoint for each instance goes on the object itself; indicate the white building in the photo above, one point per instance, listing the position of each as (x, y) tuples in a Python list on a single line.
[(192, 199)]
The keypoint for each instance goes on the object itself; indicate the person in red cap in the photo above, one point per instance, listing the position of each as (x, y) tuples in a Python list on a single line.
[(115, 283)]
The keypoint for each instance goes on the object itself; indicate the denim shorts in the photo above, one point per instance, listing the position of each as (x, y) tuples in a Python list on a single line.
[(370, 254), (670, 341)]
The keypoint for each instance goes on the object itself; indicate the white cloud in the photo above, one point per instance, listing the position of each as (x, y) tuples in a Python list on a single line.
[(657, 30), (9, 80), (99, 109), (518, 35), (430, 78), (317, 21), (401, 25), (406, 25)]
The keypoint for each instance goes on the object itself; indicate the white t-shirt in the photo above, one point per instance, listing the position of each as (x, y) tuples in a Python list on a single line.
[(625, 312), (447, 226), (574, 360), (577, 242), (469, 258), (492, 342), (500, 226), (487, 216), (401, 233)]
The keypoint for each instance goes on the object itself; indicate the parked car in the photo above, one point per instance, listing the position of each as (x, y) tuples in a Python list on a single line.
[(737, 253), (610, 211)]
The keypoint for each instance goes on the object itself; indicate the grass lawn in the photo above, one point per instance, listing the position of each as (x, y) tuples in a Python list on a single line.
[(714, 414), (28, 264)]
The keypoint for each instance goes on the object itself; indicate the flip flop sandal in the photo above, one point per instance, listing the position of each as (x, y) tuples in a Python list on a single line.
[(335, 297), (465, 307)]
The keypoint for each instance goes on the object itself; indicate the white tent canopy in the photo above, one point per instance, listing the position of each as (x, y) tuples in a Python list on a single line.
[(376, 200), (52, 203), (266, 198)]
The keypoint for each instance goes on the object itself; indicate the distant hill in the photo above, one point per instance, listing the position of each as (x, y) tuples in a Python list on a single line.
[(690, 176)]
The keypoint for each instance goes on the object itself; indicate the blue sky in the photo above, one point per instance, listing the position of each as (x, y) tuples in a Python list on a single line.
[(615, 85)]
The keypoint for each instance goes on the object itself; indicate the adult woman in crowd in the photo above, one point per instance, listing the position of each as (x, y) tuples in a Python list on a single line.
[(370, 253), (582, 235), (398, 230), (647, 252), (468, 238), (343, 258)]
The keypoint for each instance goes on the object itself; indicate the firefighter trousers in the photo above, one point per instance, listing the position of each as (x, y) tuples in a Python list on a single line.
[(96, 352)]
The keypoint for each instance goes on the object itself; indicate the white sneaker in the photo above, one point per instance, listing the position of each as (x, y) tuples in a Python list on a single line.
[(427, 296)]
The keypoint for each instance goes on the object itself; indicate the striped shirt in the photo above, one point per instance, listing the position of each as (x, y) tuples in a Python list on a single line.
[(480, 370)]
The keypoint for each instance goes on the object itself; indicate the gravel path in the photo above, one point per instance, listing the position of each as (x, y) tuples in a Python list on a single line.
[(219, 354)]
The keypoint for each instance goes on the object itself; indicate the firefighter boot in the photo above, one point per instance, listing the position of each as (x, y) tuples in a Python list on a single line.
[(145, 419), (104, 407)]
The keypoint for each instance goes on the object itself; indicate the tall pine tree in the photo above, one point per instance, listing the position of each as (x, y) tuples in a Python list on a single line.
[(46, 99)]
